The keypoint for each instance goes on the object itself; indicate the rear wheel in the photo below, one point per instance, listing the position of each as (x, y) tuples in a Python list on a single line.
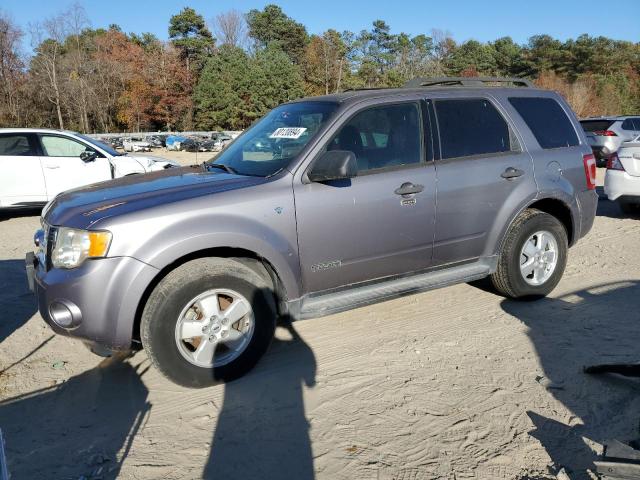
[(533, 256), (208, 321)]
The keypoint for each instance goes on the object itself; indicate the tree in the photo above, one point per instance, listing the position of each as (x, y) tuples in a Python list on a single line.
[(11, 71), (473, 56), (235, 88), (45, 65), (272, 27), (189, 33), (324, 63), (231, 28)]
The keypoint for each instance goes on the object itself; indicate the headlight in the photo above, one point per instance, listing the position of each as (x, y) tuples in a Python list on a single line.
[(73, 246)]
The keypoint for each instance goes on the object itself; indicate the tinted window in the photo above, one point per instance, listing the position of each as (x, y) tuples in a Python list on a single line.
[(636, 123), (596, 125), (471, 127), (15, 144), (547, 121), (382, 137), (62, 147), (628, 124)]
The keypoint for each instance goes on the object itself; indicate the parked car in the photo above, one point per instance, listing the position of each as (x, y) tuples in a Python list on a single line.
[(606, 134), (173, 142), (38, 164), (221, 140), (195, 264), (189, 145), (156, 141), (207, 146), (622, 180), (135, 145)]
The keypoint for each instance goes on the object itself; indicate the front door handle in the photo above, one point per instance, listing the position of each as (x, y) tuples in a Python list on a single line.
[(408, 188), (511, 172)]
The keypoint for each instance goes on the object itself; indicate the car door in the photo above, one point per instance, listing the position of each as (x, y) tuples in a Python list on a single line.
[(21, 177), (364, 228), (480, 167), (64, 169)]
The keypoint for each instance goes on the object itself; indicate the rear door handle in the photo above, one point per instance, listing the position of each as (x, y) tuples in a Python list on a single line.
[(511, 172), (408, 188)]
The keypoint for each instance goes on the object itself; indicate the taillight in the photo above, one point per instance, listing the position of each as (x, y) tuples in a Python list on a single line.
[(614, 163), (590, 170), (606, 133)]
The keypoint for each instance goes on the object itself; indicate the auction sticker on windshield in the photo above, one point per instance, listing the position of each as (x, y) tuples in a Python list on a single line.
[(288, 132)]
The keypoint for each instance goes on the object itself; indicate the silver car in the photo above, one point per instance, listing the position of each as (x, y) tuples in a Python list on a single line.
[(351, 199), (606, 134)]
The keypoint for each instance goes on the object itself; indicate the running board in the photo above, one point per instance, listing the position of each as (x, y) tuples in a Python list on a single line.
[(330, 303)]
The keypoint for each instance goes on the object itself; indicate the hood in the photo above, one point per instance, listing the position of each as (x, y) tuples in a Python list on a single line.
[(82, 207)]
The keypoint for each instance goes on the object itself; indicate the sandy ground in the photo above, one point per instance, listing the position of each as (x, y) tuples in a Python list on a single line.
[(456, 383)]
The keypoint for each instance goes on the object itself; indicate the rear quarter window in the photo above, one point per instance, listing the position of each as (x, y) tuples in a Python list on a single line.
[(547, 121)]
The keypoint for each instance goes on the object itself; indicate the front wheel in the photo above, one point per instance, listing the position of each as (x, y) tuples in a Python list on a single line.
[(208, 321), (533, 256)]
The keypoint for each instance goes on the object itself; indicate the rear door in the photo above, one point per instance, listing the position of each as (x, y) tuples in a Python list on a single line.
[(21, 177), (64, 169), (483, 175)]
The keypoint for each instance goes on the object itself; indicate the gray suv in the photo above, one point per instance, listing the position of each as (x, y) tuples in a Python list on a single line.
[(349, 199)]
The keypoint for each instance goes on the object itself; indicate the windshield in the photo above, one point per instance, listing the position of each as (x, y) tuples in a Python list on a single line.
[(275, 140), (99, 144)]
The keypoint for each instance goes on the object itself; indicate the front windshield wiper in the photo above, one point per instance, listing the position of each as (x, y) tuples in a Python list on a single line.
[(221, 166)]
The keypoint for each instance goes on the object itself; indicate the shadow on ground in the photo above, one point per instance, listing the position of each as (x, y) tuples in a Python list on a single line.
[(17, 303), (591, 326), (262, 431), (76, 430)]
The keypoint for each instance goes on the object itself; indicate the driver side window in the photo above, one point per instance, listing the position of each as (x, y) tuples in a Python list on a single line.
[(382, 137), (55, 146)]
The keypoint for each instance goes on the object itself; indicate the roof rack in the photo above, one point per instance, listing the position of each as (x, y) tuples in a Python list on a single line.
[(466, 82)]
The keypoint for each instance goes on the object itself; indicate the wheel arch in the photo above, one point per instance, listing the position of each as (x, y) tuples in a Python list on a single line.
[(251, 259)]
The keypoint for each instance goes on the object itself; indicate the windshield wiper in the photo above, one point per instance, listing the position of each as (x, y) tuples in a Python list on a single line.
[(221, 166)]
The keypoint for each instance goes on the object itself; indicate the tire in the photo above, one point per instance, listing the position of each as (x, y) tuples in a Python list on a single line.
[(161, 320), (629, 208), (508, 278)]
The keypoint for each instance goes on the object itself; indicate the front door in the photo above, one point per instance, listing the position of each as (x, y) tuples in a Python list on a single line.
[(64, 169), (363, 229)]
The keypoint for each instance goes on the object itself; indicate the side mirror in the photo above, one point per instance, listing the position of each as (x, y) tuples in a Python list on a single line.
[(88, 156), (334, 165)]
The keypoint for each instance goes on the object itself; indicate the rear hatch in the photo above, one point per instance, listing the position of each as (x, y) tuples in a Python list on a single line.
[(595, 130), (629, 155)]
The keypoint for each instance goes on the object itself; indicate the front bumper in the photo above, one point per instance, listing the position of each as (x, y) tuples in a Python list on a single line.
[(618, 184), (102, 296)]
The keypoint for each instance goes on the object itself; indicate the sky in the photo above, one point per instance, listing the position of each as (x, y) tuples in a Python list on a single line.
[(464, 19)]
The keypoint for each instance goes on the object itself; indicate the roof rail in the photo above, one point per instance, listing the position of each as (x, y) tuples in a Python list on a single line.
[(466, 81)]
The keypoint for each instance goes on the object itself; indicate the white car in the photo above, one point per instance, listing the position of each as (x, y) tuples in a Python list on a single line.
[(622, 180), (135, 145), (37, 164)]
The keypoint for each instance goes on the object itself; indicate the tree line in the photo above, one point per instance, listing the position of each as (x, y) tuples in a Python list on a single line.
[(226, 73)]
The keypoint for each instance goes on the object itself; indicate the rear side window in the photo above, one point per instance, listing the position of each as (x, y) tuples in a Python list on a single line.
[(15, 145), (472, 127), (628, 124), (596, 125), (547, 121)]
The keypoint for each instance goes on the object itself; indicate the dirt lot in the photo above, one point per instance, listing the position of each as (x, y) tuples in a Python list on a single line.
[(454, 383)]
